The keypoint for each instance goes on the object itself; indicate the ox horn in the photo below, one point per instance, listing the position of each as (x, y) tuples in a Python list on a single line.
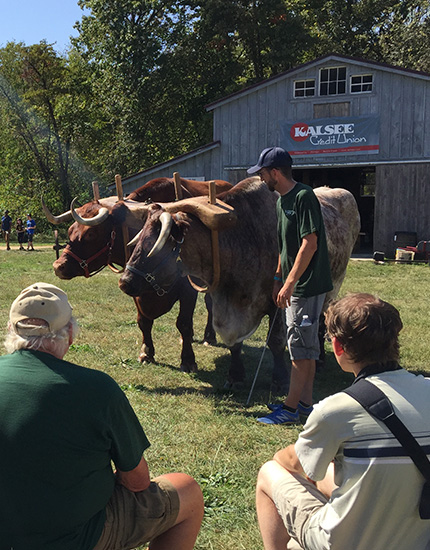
[(65, 217), (96, 220), (166, 221), (134, 240)]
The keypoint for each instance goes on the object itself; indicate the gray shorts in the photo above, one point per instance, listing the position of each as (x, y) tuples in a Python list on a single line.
[(133, 519), (303, 342), (296, 500)]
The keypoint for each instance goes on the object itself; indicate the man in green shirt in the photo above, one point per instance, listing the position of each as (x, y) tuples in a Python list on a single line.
[(302, 278), (61, 428)]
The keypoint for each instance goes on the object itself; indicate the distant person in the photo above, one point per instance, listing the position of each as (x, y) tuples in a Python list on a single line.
[(61, 427), (301, 281), (6, 223), (31, 228), (347, 482), (20, 232)]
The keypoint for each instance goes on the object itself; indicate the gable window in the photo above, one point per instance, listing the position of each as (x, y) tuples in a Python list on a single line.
[(361, 83), (304, 88), (333, 81)]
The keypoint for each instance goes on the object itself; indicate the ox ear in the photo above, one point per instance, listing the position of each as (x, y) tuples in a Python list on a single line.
[(119, 213), (217, 217)]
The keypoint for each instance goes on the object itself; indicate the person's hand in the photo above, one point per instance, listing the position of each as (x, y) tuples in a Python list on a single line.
[(284, 295)]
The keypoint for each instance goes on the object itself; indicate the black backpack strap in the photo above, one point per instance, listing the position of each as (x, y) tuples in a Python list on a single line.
[(378, 405)]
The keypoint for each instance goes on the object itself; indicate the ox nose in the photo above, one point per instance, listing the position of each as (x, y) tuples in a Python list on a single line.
[(126, 286), (59, 269)]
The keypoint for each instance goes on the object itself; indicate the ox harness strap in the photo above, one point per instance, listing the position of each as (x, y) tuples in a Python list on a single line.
[(150, 277), (85, 263), (378, 405)]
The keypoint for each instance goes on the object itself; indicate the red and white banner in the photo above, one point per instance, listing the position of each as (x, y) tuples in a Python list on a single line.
[(328, 136)]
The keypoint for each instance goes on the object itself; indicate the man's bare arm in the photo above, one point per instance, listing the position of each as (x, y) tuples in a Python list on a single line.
[(137, 479)]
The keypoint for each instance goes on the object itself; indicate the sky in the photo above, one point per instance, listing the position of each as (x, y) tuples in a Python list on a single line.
[(31, 21)]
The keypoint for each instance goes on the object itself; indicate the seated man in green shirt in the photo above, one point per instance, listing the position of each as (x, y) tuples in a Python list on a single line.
[(61, 428)]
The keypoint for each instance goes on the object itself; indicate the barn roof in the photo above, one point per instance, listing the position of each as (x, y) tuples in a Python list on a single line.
[(325, 58), (172, 161)]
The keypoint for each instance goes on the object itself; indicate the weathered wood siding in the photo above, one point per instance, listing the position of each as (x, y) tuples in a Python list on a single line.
[(248, 122), (402, 203)]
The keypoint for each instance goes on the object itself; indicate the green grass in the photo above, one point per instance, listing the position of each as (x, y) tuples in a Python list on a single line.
[(194, 426)]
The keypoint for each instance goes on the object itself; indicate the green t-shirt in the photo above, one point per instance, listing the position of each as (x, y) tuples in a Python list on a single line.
[(299, 214), (61, 425)]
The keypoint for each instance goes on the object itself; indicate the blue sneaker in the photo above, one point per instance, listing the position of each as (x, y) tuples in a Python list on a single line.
[(280, 416), (303, 411)]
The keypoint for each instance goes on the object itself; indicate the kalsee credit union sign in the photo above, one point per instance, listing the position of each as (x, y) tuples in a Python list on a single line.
[(328, 136)]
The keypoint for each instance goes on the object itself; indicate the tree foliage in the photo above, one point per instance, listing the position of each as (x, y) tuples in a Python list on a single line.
[(39, 99)]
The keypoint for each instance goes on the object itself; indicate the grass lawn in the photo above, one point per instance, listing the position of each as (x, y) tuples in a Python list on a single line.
[(193, 425)]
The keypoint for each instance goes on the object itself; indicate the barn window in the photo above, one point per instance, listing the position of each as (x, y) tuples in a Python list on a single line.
[(361, 83), (304, 88), (333, 81)]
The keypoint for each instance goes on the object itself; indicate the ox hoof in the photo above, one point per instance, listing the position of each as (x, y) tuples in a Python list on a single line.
[(146, 359), (210, 342), (233, 386), (189, 368)]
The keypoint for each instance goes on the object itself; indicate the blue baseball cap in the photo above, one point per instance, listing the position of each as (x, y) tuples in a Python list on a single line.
[(272, 157)]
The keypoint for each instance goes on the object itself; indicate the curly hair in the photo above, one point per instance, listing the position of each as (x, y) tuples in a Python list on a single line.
[(366, 327)]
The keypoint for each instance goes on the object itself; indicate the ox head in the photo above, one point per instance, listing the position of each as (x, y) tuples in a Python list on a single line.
[(91, 238), (96, 238), (157, 246), (154, 263)]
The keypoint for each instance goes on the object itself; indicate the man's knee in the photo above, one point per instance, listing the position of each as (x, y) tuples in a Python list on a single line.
[(189, 492), (271, 472)]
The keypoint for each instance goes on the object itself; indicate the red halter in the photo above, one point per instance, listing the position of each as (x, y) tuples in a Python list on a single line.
[(85, 263)]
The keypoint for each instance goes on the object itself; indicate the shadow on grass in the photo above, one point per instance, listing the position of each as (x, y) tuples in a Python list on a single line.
[(329, 380)]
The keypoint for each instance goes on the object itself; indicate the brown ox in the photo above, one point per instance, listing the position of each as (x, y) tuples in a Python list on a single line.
[(248, 259), (96, 240)]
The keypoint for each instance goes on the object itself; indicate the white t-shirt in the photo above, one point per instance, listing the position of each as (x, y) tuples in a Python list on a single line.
[(376, 504)]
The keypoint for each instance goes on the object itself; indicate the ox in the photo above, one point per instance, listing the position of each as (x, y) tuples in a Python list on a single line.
[(96, 240), (248, 259)]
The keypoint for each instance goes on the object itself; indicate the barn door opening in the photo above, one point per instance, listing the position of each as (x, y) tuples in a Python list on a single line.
[(361, 182)]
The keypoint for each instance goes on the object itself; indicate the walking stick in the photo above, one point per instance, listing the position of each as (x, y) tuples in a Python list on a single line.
[(261, 358)]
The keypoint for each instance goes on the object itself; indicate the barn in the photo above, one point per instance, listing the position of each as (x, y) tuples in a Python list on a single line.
[(347, 122)]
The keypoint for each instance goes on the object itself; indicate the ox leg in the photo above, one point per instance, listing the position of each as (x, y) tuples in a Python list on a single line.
[(184, 323), (210, 336), (236, 374), (277, 342), (147, 350)]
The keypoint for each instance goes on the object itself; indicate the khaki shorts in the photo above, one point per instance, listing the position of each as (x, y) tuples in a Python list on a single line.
[(296, 500), (133, 519)]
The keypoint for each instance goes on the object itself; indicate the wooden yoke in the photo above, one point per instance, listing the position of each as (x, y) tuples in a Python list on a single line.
[(215, 250), (96, 190), (178, 187), (125, 233)]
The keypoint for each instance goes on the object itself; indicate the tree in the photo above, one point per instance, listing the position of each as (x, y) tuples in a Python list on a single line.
[(36, 92), (124, 43), (405, 36)]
